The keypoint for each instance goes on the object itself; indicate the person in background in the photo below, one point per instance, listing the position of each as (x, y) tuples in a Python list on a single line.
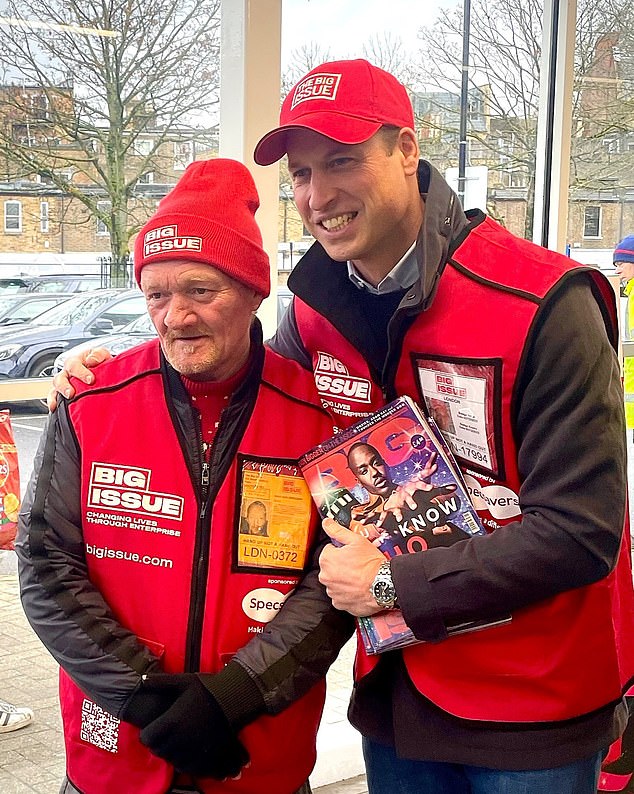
[(185, 658), (623, 258), (405, 293), (12, 718)]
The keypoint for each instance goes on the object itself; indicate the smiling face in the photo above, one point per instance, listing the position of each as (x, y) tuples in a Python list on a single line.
[(202, 317), (370, 470), (361, 201)]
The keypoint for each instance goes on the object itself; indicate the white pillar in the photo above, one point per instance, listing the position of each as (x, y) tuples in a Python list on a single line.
[(250, 79), (552, 166)]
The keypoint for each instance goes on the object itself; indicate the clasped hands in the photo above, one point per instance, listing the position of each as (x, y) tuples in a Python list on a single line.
[(181, 722)]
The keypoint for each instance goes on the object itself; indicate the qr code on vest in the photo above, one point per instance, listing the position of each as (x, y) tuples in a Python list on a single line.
[(98, 727)]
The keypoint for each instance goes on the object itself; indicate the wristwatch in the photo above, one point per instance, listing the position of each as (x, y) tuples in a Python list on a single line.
[(382, 588)]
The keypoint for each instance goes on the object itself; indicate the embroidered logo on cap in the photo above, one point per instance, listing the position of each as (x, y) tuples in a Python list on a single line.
[(317, 86), (166, 238)]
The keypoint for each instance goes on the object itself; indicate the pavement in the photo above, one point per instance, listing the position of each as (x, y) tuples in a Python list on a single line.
[(32, 758)]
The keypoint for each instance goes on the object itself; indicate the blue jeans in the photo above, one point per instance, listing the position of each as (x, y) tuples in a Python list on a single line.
[(388, 774)]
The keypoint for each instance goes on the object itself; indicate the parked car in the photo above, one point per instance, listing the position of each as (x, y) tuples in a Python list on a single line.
[(65, 282), (140, 330), (51, 282), (29, 352), (132, 334), (13, 285), (22, 307)]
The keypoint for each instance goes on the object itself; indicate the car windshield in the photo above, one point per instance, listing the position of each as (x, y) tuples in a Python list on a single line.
[(10, 286), (72, 311), (142, 325), (60, 285), (7, 302), (21, 310)]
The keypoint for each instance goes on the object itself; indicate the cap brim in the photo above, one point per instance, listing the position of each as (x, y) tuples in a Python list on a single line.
[(343, 129)]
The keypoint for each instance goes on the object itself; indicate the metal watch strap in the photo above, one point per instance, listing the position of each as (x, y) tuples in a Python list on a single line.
[(382, 587)]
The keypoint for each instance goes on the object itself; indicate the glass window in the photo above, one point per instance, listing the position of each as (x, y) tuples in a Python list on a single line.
[(592, 221), (13, 216), (25, 310), (102, 229), (142, 146), (44, 216), (601, 190), (183, 154), (124, 312), (72, 311)]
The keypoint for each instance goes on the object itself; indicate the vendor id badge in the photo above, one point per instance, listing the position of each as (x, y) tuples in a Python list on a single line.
[(463, 397), (273, 516)]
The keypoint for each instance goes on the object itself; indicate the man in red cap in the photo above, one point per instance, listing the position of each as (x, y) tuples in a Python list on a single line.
[(405, 293), (186, 648), (408, 294)]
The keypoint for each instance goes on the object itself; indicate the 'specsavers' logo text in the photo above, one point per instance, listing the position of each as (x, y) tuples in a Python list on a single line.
[(333, 380), (124, 488)]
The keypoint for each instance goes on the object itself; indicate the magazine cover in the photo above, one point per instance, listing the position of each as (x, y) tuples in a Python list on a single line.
[(359, 478)]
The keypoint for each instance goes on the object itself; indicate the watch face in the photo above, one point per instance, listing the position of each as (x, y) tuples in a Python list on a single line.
[(383, 591)]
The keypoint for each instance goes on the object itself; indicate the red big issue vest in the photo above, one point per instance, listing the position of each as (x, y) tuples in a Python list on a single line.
[(566, 655), (129, 430)]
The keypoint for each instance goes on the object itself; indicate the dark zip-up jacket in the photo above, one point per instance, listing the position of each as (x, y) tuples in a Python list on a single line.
[(568, 341)]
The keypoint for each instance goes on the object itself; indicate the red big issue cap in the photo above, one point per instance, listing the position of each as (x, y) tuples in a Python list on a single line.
[(209, 217), (347, 101)]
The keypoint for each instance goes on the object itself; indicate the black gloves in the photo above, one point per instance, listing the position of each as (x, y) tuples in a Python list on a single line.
[(147, 702), (191, 731)]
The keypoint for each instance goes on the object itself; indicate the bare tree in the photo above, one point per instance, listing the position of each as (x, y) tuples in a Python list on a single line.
[(604, 96), (505, 56), (95, 89), (505, 40), (385, 50), (302, 60)]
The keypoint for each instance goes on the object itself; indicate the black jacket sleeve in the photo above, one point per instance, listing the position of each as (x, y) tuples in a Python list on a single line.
[(569, 420), (65, 610), (292, 654)]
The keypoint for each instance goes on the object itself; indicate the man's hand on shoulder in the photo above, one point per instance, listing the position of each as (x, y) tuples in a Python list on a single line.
[(76, 367)]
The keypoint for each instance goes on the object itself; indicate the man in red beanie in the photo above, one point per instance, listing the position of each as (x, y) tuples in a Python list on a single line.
[(186, 648), (405, 293)]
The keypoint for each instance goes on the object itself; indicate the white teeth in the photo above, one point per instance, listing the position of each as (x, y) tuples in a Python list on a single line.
[(334, 224)]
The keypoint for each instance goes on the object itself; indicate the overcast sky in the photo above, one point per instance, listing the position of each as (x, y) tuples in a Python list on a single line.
[(345, 25)]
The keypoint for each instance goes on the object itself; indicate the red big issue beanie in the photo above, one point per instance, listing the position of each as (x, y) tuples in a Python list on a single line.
[(209, 217)]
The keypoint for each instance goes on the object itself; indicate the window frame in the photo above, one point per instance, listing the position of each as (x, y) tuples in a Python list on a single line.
[(18, 204), (44, 217), (599, 220), (102, 230)]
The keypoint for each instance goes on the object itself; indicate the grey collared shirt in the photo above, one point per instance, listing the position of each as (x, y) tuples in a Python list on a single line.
[(401, 276)]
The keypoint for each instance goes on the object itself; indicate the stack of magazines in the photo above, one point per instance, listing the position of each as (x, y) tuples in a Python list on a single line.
[(392, 478)]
